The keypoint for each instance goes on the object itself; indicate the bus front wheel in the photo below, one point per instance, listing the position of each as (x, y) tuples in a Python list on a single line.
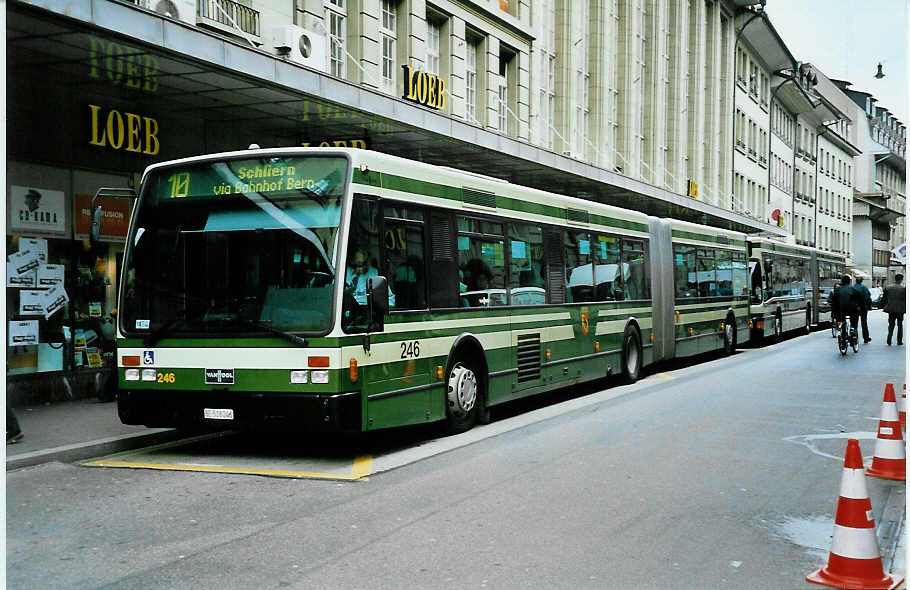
[(631, 355), (463, 396)]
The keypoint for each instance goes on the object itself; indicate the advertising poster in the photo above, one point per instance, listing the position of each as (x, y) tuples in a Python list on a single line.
[(94, 358), (50, 275), (23, 332), (24, 281), (31, 303), (115, 217), (37, 245), (22, 262), (94, 309), (37, 209), (54, 300), (79, 338)]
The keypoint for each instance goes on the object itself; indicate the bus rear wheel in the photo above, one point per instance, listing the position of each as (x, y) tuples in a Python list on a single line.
[(631, 355), (463, 396)]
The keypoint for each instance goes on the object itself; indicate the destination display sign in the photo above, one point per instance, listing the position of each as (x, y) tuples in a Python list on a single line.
[(315, 175)]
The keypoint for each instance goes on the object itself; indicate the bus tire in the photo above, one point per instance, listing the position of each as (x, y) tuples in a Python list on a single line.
[(730, 336), (464, 396), (631, 355), (808, 319)]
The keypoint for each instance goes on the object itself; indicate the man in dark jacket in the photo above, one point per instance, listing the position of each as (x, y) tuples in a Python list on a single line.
[(845, 302), (894, 302), (866, 298)]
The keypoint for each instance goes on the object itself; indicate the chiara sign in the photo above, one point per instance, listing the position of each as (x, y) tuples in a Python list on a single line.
[(424, 88)]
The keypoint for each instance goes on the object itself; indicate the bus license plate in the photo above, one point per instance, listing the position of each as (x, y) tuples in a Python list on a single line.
[(218, 413)]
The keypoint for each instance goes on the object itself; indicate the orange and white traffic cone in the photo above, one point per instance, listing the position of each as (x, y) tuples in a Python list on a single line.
[(902, 408), (855, 560), (890, 457)]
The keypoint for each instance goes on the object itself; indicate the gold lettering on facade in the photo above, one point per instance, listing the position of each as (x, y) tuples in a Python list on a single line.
[(114, 131), (122, 65), (424, 88)]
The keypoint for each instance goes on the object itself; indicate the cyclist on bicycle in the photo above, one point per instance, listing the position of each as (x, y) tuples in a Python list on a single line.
[(846, 302)]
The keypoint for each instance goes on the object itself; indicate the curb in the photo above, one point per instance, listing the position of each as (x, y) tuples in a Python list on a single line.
[(86, 450)]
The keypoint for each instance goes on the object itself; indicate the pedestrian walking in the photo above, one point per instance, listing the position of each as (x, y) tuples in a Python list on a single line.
[(866, 297), (895, 305), (13, 430)]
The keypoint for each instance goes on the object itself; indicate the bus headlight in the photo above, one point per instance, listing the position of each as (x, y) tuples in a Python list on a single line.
[(299, 376), (320, 376), (131, 374)]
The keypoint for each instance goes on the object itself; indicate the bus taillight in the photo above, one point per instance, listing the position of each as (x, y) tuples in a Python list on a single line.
[(353, 370)]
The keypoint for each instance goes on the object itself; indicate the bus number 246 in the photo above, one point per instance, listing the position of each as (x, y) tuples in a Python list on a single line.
[(410, 350)]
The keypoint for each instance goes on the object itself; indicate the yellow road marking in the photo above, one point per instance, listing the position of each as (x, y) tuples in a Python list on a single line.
[(664, 376), (359, 471)]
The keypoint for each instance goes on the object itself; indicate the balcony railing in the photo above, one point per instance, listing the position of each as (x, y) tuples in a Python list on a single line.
[(223, 12)]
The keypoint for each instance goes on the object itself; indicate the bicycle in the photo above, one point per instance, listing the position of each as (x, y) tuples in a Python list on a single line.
[(846, 338)]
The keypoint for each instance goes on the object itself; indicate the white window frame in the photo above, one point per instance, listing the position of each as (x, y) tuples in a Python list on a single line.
[(336, 15), (470, 77), (388, 34), (434, 33)]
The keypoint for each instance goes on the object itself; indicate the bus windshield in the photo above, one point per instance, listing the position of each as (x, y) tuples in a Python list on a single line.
[(245, 245)]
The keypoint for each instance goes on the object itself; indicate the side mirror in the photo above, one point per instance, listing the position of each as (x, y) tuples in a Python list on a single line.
[(95, 231), (378, 301)]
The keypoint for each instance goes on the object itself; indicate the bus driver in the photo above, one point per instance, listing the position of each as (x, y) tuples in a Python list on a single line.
[(358, 272)]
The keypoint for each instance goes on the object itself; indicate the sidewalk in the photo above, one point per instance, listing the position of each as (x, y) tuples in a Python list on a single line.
[(75, 430)]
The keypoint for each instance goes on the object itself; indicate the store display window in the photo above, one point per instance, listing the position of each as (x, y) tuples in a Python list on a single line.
[(60, 304)]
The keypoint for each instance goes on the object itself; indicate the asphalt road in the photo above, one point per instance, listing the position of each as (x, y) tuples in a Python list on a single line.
[(723, 474)]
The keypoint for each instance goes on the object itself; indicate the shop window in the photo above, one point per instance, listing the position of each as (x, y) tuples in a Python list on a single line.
[(61, 308)]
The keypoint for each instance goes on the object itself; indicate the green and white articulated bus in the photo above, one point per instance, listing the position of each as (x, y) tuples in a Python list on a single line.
[(790, 286), (349, 290)]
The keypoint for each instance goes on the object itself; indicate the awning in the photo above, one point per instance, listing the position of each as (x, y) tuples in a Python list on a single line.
[(856, 272)]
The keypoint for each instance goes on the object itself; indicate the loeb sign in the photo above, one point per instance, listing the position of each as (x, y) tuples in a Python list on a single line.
[(424, 88)]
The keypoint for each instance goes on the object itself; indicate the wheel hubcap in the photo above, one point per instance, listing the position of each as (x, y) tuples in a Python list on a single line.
[(462, 390), (728, 332), (632, 359)]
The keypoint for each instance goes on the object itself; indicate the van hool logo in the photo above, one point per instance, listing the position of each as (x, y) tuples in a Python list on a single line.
[(219, 376)]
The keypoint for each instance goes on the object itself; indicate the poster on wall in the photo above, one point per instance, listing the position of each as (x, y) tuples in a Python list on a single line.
[(36, 245), (50, 275), (23, 332), (115, 217), (31, 302), (21, 270), (54, 300), (37, 209)]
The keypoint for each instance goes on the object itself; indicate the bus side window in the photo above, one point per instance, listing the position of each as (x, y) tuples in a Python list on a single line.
[(684, 272), (634, 269), (403, 251), (579, 267), (362, 263)]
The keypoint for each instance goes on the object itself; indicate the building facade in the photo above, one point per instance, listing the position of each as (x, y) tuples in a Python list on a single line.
[(880, 198), (681, 108)]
